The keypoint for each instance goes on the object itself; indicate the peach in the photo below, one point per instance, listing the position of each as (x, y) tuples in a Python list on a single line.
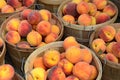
[(93, 9), (98, 45), (71, 77), (93, 22), (34, 38), (107, 33), (23, 44), (109, 47), (69, 19), (46, 15), (84, 19), (51, 38), (41, 44), (14, 3), (116, 49), (51, 58), (86, 0), (111, 57), (55, 29), (13, 24), (66, 66), (100, 4), (83, 8), (117, 36), (24, 28), (34, 17), (70, 41), (56, 73), (6, 69), (25, 13), (102, 17), (73, 54), (7, 9), (2, 3), (94, 72), (12, 37), (82, 70), (110, 10), (97, 14), (38, 62), (76, 1), (87, 56), (62, 55), (28, 3), (44, 28), (1, 42)]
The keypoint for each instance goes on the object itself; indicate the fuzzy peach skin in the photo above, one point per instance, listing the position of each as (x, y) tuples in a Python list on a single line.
[(93, 22), (34, 38), (12, 37), (109, 47), (55, 29), (7, 9), (76, 1), (2, 3), (107, 33), (25, 13), (28, 3), (69, 18), (23, 44), (93, 9), (71, 77), (14, 3), (111, 57), (116, 49), (98, 44), (117, 36)]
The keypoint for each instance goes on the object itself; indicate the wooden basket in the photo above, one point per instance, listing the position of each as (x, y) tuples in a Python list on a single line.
[(59, 46), (80, 32), (111, 70), (17, 77), (18, 55)]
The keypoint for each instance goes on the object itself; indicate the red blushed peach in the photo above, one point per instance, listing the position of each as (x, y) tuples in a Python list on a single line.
[(71, 77), (1, 42), (34, 38), (13, 37), (24, 28), (102, 17), (13, 24), (83, 8), (98, 45), (6, 72), (46, 15), (109, 47), (100, 4), (25, 13), (34, 17), (28, 3), (7, 9), (111, 57), (110, 10), (116, 49), (107, 33), (117, 36), (2, 3), (23, 44), (55, 29), (14, 3), (44, 28), (69, 19), (93, 9), (85, 20)]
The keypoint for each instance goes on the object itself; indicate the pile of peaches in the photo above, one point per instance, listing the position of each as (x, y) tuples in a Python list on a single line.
[(10, 6), (107, 44), (88, 12), (32, 28), (74, 63)]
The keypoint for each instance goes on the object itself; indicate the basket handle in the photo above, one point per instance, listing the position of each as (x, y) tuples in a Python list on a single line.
[(22, 66)]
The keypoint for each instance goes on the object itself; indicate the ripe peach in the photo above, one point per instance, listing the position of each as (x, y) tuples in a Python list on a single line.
[(84, 19), (24, 28), (109, 47), (66, 66), (93, 22), (76, 1), (25, 13), (44, 27), (55, 29), (7, 9), (14, 3), (62, 55), (51, 38), (69, 19), (116, 49), (93, 9), (73, 54), (97, 14), (98, 45), (34, 38), (13, 24), (111, 57), (83, 8), (70, 41), (23, 44), (46, 15), (71, 77), (38, 62), (51, 58), (107, 33), (1, 42), (86, 0), (82, 70), (41, 44), (100, 3), (2, 3), (110, 10), (34, 17), (117, 36), (28, 3), (12, 37)]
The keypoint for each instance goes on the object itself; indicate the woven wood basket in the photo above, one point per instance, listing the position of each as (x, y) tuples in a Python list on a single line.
[(17, 77), (59, 46), (111, 70), (18, 55), (82, 33)]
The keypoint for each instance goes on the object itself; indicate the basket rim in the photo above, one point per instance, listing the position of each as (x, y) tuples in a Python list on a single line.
[(51, 2)]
